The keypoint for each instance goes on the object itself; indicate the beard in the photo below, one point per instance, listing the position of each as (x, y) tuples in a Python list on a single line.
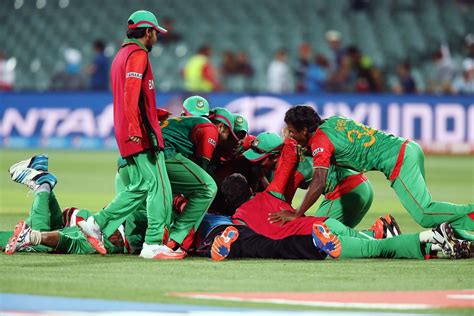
[(149, 47)]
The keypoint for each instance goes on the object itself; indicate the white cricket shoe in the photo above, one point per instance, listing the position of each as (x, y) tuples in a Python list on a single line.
[(38, 162), (32, 178), (160, 252), (443, 235)]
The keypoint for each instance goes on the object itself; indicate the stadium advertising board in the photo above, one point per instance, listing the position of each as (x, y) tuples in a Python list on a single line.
[(85, 120)]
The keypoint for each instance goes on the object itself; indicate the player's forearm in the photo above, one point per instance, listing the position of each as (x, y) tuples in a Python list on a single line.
[(315, 189)]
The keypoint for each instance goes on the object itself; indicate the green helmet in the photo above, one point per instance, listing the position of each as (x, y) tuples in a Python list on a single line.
[(195, 106), (224, 116), (265, 144), (240, 123), (144, 18)]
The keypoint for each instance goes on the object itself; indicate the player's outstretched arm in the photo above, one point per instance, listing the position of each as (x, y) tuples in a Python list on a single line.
[(315, 189)]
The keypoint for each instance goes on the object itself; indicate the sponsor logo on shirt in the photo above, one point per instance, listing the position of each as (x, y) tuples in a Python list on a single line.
[(151, 84), (212, 141), (134, 75), (317, 150)]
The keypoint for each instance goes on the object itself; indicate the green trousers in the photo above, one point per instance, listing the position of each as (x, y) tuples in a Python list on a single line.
[(357, 245), (148, 185), (197, 185), (410, 187), (349, 208)]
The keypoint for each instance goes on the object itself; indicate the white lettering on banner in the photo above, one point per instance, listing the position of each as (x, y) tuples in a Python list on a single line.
[(57, 122), (271, 121), (78, 121), (421, 111), (470, 124), (105, 121), (393, 119), (453, 111), (51, 118), (12, 119)]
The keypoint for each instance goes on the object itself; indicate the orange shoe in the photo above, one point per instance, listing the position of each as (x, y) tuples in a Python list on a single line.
[(395, 229), (221, 246), (20, 238), (97, 245), (325, 240)]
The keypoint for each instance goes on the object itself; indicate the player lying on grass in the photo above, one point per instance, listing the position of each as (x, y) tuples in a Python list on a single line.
[(47, 229), (252, 235), (348, 194), (347, 143)]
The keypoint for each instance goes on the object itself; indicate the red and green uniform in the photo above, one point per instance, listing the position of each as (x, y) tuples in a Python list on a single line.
[(348, 194), (353, 145), (46, 215), (189, 145), (135, 114), (254, 214)]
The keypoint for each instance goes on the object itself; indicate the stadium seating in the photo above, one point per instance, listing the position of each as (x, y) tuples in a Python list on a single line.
[(37, 32)]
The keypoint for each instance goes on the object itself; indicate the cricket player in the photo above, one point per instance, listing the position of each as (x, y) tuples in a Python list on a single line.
[(47, 229), (189, 146), (328, 235), (353, 145), (138, 136), (348, 194)]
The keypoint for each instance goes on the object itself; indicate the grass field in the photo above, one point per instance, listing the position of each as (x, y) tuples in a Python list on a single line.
[(86, 180)]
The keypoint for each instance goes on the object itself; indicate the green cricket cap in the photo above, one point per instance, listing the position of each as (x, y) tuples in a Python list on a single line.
[(144, 18), (196, 106), (265, 144), (240, 123), (224, 116)]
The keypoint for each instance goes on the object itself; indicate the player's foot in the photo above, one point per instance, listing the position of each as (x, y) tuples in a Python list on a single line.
[(160, 252), (325, 240), (220, 248), (93, 233), (393, 225), (20, 238), (382, 229), (443, 235), (464, 250), (33, 178), (38, 162)]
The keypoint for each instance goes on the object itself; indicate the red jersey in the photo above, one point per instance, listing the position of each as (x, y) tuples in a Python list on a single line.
[(255, 214)]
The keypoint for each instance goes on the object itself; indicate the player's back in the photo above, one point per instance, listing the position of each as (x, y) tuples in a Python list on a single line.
[(361, 147), (178, 134)]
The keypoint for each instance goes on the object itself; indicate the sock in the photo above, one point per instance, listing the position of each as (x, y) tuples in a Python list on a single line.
[(426, 236), (35, 237), (43, 188)]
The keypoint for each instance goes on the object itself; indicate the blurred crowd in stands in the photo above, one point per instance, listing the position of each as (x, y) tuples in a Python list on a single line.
[(346, 69)]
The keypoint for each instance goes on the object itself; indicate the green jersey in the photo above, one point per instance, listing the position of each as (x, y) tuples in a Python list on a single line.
[(350, 144), (191, 136)]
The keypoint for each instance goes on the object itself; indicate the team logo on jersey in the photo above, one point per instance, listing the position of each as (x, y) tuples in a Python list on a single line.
[(340, 125), (200, 104), (212, 141), (317, 151), (134, 75)]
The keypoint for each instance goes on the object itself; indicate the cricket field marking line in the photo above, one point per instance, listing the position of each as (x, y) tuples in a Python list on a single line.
[(461, 296), (316, 303)]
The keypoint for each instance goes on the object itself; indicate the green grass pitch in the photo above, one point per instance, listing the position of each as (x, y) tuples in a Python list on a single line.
[(86, 180)]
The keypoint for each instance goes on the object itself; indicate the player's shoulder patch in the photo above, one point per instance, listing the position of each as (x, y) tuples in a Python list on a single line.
[(134, 75), (317, 151), (212, 141)]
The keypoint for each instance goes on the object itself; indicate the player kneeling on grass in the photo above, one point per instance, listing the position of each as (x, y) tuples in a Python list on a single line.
[(342, 141), (48, 229), (254, 236)]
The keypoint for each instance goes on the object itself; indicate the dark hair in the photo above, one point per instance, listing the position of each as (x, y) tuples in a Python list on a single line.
[(137, 32), (99, 45), (301, 116), (236, 190)]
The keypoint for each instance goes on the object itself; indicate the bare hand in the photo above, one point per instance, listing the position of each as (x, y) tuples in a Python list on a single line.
[(135, 139), (284, 216)]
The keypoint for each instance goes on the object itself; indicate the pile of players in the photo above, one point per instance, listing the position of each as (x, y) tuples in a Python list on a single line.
[(223, 193)]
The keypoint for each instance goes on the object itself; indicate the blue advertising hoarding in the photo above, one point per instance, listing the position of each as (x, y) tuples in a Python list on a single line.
[(85, 120)]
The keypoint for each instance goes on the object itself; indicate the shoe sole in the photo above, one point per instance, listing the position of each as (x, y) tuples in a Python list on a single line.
[(448, 242), (393, 223), (12, 242), (330, 244), (162, 256), (224, 241), (97, 245)]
